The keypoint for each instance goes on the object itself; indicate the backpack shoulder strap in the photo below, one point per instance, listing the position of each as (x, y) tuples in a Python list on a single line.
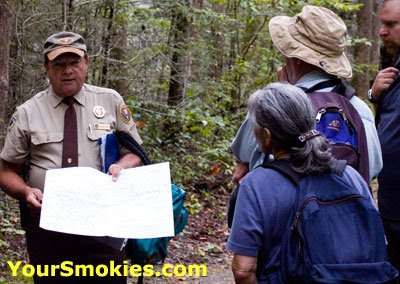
[(340, 88), (129, 143), (338, 166), (284, 168), (344, 90), (323, 85)]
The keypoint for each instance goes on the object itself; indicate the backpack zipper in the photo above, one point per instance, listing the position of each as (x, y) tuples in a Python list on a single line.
[(334, 109), (319, 114), (296, 223), (308, 200), (299, 258)]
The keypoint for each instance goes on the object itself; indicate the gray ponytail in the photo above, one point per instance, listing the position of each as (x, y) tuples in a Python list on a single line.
[(287, 112)]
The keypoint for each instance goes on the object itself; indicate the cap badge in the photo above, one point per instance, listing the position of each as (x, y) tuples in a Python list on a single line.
[(99, 111), (66, 40)]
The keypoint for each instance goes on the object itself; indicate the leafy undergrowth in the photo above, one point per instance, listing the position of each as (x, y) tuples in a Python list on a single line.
[(12, 240)]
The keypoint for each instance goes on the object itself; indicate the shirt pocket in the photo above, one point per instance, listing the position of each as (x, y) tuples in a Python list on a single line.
[(46, 149), (39, 138), (92, 150), (100, 127), (95, 132)]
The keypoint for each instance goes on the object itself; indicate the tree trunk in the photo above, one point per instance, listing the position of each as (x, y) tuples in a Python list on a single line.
[(234, 55), (109, 6), (217, 41), (180, 63), (5, 37), (67, 9), (118, 67), (363, 51), (375, 49)]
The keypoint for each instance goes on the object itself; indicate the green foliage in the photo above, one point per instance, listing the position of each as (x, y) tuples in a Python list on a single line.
[(345, 6), (8, 227), (193, 204), (361, 68), (231, 56), (227, 48), (194, 140)]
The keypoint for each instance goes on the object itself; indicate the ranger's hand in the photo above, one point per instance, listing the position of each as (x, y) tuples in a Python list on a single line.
[(33, 197), (115, 171), (382, 81)]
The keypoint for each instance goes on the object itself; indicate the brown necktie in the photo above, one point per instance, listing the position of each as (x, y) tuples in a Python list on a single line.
[(70, 142)]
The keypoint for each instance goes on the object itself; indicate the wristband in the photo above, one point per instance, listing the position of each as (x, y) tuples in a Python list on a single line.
[(370, 97)]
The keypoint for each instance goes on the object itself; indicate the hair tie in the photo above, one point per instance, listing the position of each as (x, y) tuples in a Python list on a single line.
[(309, 135)]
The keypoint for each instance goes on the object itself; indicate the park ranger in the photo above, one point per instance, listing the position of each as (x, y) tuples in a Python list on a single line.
[(56, 128)]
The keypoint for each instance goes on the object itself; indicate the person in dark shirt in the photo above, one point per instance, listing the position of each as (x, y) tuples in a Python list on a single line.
[(385, 93)]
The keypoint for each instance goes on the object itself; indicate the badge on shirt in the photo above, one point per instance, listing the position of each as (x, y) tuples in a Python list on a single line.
[(125, 114), (13, 119), (99, 111), (102, 126)]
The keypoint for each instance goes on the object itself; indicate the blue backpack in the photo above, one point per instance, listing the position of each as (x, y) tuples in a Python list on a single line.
[(334, 234), (154, 250)]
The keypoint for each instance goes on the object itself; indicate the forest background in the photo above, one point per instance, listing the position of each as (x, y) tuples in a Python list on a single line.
[(185, 68)]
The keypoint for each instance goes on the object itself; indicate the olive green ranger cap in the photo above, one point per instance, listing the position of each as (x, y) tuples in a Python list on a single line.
[(64, 42)]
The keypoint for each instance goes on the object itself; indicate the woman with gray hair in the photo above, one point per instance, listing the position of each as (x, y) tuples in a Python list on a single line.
[(284, 122), (280, 113)]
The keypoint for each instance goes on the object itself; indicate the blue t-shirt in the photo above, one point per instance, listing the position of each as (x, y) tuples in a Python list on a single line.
[(389, 136), (262, 211)]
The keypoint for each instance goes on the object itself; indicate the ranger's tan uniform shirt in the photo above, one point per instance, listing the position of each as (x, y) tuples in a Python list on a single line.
[(36, 129)]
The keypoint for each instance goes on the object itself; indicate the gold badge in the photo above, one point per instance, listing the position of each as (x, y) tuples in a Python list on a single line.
[(99, 111), (125, 114)]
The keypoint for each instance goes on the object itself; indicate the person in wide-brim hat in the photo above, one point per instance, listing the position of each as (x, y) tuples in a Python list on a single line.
[(313, 45), (316, 36)]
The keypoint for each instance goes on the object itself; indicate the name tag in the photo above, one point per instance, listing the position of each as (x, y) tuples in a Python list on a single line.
[(99, 126)]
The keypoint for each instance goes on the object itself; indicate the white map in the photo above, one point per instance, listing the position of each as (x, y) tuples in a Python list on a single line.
[(85, 201)]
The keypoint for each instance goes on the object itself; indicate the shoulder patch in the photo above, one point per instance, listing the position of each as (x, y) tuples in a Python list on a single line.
[(125, 114), (13, 119)]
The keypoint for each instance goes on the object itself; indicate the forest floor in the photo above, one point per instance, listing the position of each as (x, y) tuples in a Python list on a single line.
[(202, 242)]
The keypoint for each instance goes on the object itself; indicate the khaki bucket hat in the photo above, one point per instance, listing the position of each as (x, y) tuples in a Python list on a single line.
[(316, 36)]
